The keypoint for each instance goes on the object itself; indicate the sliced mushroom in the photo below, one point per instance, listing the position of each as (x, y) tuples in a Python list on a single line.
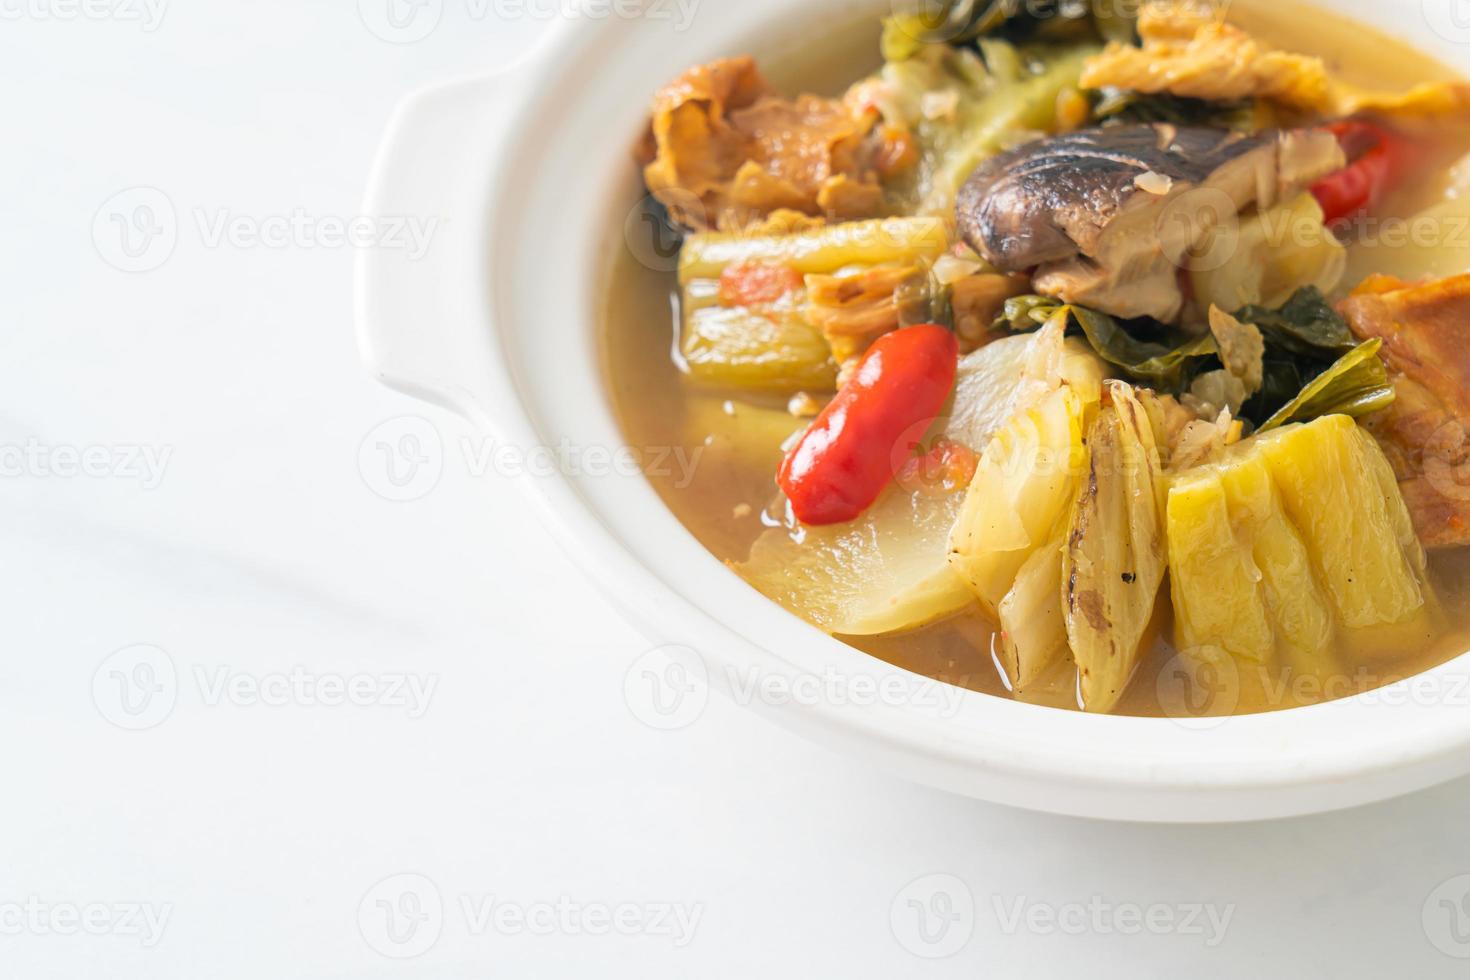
[(1108, 217)]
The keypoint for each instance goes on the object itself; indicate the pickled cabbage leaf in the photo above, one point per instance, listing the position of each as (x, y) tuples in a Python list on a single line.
[(1009, 375), (1033, 631), (822, 251), (1022, 489), (781, 346), (1114, 560)]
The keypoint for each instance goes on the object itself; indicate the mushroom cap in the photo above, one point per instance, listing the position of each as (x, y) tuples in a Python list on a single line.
[(1109, 218), (1050, 199)]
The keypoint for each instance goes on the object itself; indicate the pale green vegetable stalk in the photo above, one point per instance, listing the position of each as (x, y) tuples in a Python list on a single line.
[(995, 105), (774, 349), (823, 251), (1241, 575), (1013, 109), (1114, 560), (1030, 464), (778, 348)]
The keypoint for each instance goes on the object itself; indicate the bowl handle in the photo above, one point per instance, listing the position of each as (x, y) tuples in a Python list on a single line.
[(419, 324)]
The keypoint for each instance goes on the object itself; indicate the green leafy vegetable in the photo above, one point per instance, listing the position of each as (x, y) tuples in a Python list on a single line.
[(1158, 365), (1166, 367), (1313, 366), (1306, 325), (1281, 381), (1116, 107), (964, 22), (1356, 385), (1014, 92)]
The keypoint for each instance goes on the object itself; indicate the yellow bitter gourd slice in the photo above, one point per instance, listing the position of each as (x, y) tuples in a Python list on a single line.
[(1330, 485), (1296, 539)]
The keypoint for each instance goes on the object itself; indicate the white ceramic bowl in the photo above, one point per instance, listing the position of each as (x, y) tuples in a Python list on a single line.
[(531, 177)]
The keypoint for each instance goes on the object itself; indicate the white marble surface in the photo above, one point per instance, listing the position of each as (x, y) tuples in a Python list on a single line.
[(250, 830)]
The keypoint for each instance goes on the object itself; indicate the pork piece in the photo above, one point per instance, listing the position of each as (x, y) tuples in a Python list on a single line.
[(725, 150), (1425, 329), (854, 310), (1108, 217)]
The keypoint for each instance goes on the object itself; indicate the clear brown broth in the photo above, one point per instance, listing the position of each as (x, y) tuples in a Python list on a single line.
[(736, 443)]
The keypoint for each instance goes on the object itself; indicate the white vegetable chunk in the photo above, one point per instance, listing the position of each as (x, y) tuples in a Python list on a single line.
[(882, 573)]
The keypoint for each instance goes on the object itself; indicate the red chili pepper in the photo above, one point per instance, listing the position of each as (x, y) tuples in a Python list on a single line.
[(1376, 159), (843, 462)]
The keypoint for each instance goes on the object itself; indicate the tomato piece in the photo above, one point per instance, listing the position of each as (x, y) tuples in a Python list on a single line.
[(867, 433), (754, 283), (1376, 160), (946, 468), (898, 152)]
